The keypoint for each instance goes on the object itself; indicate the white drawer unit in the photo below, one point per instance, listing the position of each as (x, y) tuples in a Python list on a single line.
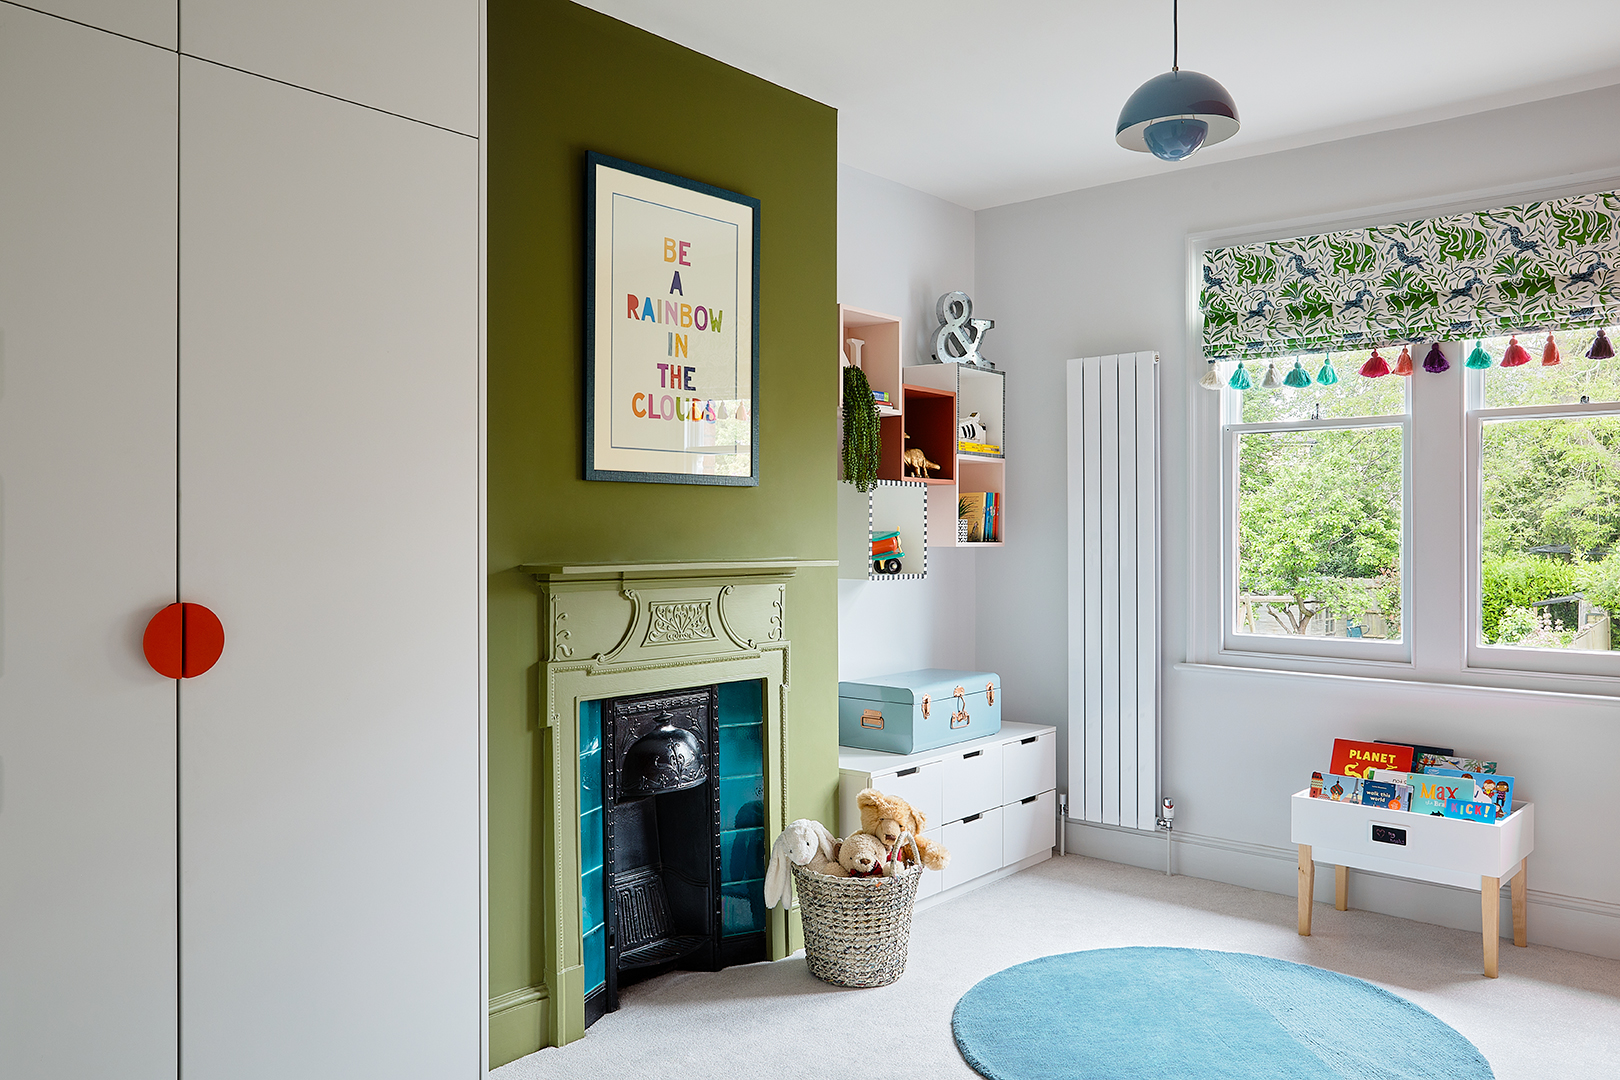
[(972, 776), (992, 801), (975, 846), (1029, 826), (1028, 766)]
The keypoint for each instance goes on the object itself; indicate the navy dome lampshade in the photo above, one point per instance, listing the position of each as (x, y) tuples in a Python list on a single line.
[(1173, 114)]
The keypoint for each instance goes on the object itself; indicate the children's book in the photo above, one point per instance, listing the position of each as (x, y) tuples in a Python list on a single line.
[(1488, 787), (1316, 786), (1425, 762), (970, 507), (1352, 758), (1419, 748), (1430, 793), (1469, 810), (1402, 782), (1377, 793), (1342, 788)]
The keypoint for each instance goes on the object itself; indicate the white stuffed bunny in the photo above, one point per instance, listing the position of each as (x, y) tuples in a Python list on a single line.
[(803, 843)]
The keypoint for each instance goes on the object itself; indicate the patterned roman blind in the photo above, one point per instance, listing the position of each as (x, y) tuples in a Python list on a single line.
[(1542, 265)]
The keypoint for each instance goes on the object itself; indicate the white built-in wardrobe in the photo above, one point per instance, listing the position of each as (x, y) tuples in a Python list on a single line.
[(239, 366)]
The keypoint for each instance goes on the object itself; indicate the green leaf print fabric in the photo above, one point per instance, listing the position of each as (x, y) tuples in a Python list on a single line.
[(1511, 270)]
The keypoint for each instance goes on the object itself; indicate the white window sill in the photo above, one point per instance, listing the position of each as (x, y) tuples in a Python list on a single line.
[(1605, 690)]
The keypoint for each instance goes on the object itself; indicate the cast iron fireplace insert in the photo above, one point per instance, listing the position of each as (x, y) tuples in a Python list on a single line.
[(661, 841)]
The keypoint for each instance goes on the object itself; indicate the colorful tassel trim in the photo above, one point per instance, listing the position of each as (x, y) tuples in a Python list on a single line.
[(1515, 354), (1272, 379), (1436, 361), (1479, 359), (1549, 353), (1601, 349), (1403, 365), (1212, 377), (1325, 375), (1240, 379), (1297, 378), (1375, 366)]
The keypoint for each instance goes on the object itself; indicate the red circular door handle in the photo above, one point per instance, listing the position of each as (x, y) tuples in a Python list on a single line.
[(183, 640)]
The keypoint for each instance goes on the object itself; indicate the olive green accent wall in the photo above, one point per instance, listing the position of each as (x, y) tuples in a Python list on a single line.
[(564, 80)]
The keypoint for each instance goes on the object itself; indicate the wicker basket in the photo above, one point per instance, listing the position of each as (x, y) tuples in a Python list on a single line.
[(856, 929)]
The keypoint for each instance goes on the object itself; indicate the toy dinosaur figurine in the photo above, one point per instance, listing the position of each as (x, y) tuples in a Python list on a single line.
[(917, 461)]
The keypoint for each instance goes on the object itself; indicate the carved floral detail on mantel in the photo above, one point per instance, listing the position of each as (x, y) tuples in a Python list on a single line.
[(670, 623)]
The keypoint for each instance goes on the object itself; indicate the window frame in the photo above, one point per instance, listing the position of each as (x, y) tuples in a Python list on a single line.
[(1478, 656), (1234, 642)]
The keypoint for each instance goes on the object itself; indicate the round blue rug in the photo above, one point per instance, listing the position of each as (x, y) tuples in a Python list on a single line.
[(1131, 1014)]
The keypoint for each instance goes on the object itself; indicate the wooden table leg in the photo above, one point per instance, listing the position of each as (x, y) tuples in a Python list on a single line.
[(1307, 889), (1490, 913), (1521, 921), (1341, 888)]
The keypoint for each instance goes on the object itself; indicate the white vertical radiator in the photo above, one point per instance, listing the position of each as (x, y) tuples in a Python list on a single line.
[(1113, 541)]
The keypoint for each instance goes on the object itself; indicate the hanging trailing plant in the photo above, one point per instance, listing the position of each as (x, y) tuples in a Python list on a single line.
[(863, 442)]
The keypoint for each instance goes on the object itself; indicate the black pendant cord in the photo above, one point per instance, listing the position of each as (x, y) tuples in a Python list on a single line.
[(1175, 35)]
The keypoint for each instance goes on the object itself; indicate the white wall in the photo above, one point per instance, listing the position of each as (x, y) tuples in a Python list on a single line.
[(898, 250), (1105, 270)]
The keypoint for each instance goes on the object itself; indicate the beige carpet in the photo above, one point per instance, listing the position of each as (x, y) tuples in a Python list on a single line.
[(1552, 1015)]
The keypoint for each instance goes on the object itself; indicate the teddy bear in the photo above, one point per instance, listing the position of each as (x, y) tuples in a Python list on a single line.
[(804, 843), (859, 855), (889, 817)]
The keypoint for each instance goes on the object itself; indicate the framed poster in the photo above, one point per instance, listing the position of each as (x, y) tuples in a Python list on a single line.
[(671, 328)]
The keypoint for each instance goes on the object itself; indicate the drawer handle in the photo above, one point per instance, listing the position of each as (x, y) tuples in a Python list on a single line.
[(872, 718), (975, 753), (1026, 742), (1029, 800), (908, 772), (972, 817)]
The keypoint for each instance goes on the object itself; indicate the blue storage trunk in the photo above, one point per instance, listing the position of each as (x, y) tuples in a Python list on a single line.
[(919, 710)]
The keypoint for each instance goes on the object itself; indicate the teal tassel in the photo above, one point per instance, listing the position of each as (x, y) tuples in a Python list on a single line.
[(1326, 375), (1297, 378), (1240, 379), (1479, 358)]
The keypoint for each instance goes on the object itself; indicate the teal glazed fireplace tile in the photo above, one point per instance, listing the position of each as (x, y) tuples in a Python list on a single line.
[(742, 703), (742, 907), (742, 854), (592, 901), (742, 803)]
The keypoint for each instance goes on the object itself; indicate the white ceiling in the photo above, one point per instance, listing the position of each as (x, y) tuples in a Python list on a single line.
[(984, 104)]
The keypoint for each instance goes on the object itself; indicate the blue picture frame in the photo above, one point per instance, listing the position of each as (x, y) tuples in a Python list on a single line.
[(598, 359)]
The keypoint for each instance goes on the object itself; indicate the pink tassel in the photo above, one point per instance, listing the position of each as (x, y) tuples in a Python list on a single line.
[(1375, 366), (1515, 354), (1549, 353), (1403, 366)]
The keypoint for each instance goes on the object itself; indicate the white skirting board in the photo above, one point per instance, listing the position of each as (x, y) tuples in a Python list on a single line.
[(1579, 924), (982, 880)]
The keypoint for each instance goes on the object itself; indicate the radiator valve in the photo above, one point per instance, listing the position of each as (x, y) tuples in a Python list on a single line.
[(1166, 821)]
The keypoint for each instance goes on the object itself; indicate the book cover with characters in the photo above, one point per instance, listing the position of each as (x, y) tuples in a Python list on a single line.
[(1342, 788), (1430, 792), (1488, 787), (1351, 758)]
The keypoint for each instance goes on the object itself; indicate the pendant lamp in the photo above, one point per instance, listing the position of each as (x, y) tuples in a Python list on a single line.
[(1171, 115)]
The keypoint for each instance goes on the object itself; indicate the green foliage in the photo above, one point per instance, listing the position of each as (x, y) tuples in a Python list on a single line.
[(1519, 581), (1551, 482), (1532, 629), (1320, 521), (862, 442)]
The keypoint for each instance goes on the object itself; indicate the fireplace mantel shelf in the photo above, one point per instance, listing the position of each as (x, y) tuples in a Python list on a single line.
[(740, 566)]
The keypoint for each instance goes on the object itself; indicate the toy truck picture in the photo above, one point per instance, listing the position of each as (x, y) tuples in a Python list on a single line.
[(886, 553)]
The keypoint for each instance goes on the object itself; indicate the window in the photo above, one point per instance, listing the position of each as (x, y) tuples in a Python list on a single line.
[(1317, 511), (1545, 531)]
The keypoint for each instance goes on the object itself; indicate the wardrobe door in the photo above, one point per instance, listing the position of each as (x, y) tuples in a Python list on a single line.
[(330, 828), (87, 552)]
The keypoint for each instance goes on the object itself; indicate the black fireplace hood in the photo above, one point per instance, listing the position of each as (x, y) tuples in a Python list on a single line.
[(666, 759)]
